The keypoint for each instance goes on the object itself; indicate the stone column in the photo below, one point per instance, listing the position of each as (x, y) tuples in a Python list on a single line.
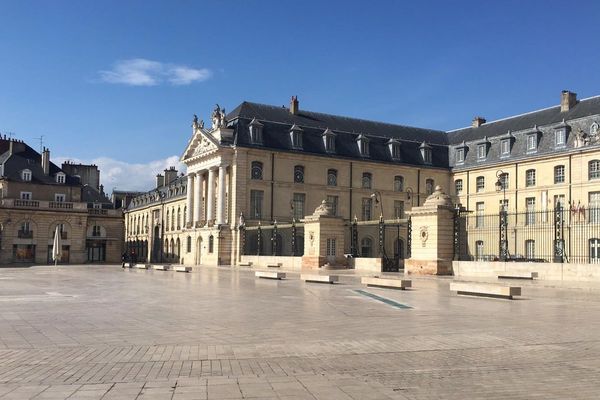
[(210, 195), (432, 248), (198, 186), (221, 199), (190, 193)]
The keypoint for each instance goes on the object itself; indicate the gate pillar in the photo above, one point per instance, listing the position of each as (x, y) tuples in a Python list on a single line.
[(323, 239), (432, 247)]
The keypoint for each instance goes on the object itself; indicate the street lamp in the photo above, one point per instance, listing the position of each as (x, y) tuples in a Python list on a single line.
[(409, 195), (376, 195), (501, 186)]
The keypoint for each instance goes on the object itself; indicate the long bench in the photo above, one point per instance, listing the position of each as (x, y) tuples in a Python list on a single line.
[(391, 283), (277, 265), (319, 278), (245, 264), (270, 274), (485, 289), (161, 267), (517, 275), (181, 268), (141, 266)]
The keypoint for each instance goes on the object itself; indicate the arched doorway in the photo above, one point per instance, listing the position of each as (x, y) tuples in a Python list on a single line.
[(178, 250), (156, 244), (198, 257)]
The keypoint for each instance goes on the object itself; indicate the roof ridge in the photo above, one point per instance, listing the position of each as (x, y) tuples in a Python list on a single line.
[(522, 114)]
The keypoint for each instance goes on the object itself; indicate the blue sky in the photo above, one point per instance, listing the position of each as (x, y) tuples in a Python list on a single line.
[(119, 81)]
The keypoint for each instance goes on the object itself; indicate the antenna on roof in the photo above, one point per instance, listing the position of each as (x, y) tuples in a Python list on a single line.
[(41, 139)]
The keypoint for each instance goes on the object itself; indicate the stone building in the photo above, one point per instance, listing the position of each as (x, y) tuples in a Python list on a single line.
[(266, 165), (37, 195)]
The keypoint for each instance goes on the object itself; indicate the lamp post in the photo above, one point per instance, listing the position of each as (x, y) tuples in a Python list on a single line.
[(376, 195), (501, 186), (409, 195)]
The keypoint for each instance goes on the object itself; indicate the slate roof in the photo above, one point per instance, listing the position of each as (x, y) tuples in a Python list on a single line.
[(547, 116), (277, 122), (91, 195)]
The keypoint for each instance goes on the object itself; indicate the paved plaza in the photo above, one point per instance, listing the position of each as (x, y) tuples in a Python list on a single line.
[(99, 332)]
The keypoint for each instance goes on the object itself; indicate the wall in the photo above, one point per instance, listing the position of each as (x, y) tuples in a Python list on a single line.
[(293, 263), (546, 271)]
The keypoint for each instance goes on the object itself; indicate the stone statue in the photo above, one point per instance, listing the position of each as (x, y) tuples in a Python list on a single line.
[(581, 139), (218, 117), (195, 123)]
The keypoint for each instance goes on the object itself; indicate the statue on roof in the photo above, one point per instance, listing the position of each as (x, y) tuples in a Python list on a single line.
[(218, 118)]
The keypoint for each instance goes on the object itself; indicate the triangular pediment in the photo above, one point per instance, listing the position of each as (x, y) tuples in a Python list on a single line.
[(202, 142)]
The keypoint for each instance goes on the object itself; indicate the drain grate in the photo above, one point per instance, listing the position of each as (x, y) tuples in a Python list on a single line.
[(383, 299)]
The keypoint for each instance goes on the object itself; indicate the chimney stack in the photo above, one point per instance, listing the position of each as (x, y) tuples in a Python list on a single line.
[(46, 161), (294, 105), (477, 122), (170, 175), (567, 100), (160, 181)]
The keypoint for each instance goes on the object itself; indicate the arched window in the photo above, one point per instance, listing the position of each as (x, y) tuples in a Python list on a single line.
[(173, 219), (398, 183), (257, 170), (332, 177), (594, 169), (178, 218), (429, 185), (167, 224), (367, 180), (166, 250), (211, 243), (299, 174), (177, 248), (366, 247), (185, 213), (172, 248), (189, 244)]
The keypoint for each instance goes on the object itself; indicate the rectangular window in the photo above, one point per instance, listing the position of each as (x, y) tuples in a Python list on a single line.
[(559, 174), (480, 184), (25, 195), (367, 208), (479, 250), (532, 142), (530, 249), (330, 143), (594, 205), (505, 147), (481, 151), (479, 210), (298, 204), (59, 198), (256, 204), (559, 138), (530, 177), (331, 247), (460, 155), (458, 185), (530, 211), (398, 209), (333, 202)]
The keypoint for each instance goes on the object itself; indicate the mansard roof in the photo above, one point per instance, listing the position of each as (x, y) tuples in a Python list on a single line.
[(277, 122), (546, 116)]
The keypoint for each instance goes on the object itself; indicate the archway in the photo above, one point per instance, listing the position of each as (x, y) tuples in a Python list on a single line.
[(198, 257)]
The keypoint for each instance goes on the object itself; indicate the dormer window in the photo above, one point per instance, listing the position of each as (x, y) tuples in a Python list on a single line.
[(26, 175), (329, 140), (460, 155), (560, 136), (60, 178), (394, 147), (482, 149), (532, 141), (505, 147), (255, 132), (363, 145), (425, 152), (296, 137)]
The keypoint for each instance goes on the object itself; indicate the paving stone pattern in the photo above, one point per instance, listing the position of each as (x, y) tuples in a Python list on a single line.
[(99, 332)]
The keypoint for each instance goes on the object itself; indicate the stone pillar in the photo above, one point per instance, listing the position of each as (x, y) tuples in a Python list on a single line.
[(320, 228), (221, 199), (189, 202), (432, 248), (210, 196), (198, 186)]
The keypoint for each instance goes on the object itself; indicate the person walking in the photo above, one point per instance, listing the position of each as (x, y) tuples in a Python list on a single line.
[(124, 258)]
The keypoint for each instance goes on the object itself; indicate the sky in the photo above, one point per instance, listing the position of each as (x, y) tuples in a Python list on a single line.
[(117, 83)]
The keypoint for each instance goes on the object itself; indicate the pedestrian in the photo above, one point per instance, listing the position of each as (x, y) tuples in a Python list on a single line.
[(133, 258), (124, 258)]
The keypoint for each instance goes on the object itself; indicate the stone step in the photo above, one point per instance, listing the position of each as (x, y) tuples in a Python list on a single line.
[(319, 278), (485, 289)]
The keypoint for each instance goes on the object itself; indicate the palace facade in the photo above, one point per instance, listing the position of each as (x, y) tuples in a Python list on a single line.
[(266, 165)]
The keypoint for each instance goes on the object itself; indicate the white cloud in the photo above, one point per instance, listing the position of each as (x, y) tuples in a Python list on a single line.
[(143, 72), (121, 175)]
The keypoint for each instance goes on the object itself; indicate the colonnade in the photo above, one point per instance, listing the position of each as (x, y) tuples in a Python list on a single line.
[(210, 208)]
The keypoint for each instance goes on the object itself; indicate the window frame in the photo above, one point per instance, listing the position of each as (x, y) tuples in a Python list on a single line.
[(561, 175), (530, 177)]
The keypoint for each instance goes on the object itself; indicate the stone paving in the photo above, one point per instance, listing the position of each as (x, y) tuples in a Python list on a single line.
[(99, 332)]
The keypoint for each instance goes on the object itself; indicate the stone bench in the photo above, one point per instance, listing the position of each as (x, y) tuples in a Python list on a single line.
[(391, 283), (161, 267), (485, 289), (517, 275), (141, 266), (270, 274), (319, 278), (181, 268), (277, 265), (245, 264)]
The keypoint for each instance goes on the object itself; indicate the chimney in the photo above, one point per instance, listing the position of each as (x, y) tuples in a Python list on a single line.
[(46, 161), (567, 100), (170, 175), (294, 105), (477, 122), (160, 181)]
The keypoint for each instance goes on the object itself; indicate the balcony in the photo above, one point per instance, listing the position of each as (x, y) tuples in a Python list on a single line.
[(21, 234), (44, 205)]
